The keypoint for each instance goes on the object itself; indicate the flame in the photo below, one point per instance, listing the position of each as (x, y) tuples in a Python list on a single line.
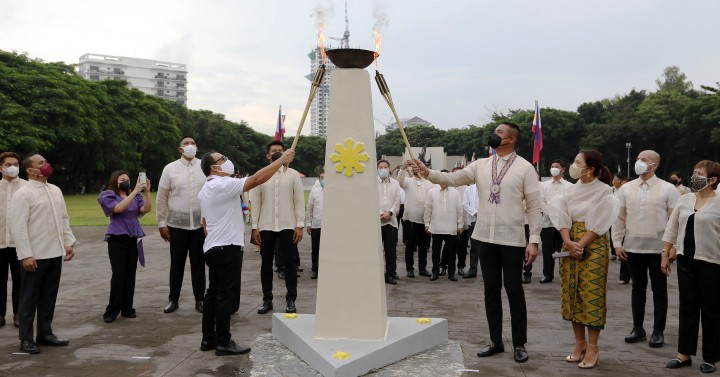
[(321, 42), (378, 43)]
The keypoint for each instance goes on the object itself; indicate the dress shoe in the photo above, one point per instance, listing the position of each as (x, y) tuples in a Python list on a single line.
[(677, 363), (657, 339), (520, 354), (410, 274), (470, 276), (586, 364), (29, 346), (129, 314), (491, 349), (574, 359), (461, 271), (230, 348), (281, 275), (395, 276), (443, 271), (266, 307), (390, 280), (424, 273), (108, 319), (635, 336), (526, 279), (313, 275), (452, 277), (623, 282), (207, 345), (290, 308), (16, 321), (199, 305), (706, 367), (545, 279), (2, 321), (171, 307), (52, 340)]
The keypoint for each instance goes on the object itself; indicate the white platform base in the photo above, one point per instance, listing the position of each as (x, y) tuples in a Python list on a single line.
[(405, 337)]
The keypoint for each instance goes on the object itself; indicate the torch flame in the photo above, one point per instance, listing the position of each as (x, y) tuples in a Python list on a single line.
[(321, 42), (378, 42)]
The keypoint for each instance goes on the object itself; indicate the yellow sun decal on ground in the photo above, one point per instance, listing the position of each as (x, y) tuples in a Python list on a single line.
[(349, 156)]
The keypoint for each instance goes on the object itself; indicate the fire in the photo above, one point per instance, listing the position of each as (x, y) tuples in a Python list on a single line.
[(378, 42), (321, 42)]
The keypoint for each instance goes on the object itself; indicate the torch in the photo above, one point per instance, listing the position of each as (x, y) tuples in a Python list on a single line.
[(313, 90)]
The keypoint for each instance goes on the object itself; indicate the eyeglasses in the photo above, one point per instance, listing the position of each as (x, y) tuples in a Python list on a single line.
[(223, 159)]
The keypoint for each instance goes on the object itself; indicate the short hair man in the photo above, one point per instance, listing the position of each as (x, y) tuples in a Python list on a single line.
[(550, 237), (41, 249), (9, 184), (443, 219), (416, 188), (389, 190), (313, 218)]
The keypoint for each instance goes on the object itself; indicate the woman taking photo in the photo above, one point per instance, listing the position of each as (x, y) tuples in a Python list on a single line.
[(124, 207), (694, 230), (583, 216)]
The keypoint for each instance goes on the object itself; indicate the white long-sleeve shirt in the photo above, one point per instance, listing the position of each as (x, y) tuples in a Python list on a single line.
[(548, 190), (707, 227), (177, 202), (40, 226), (279, 203), (415, 194), (592, 203), (389, 190), (313, 213), (443, 211), (7, 189), (470, 204), (645, 207)]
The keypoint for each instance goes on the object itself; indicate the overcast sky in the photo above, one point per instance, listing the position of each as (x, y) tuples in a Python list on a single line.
[(449, 62)]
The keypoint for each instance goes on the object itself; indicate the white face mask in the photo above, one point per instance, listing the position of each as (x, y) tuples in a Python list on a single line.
[(11, 171), (641, 167), (189, 150), (575, 171), (383, 173), (228, 167), (554, 172)]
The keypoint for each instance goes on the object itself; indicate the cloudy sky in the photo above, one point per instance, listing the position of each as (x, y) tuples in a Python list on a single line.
[(451, 62)]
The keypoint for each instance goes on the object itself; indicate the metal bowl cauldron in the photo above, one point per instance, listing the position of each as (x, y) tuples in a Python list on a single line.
[(351, 57)]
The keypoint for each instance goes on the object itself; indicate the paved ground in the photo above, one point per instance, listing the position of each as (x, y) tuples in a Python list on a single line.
[(157, 344)]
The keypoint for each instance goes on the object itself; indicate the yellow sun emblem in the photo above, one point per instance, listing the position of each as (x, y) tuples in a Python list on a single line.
[(349, 157), (341, 355)]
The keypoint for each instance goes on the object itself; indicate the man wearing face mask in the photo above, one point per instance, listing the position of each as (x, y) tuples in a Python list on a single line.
[(416, 189), (645, 206), (550, 237), (389, 205), (221, 205), (10, 183), (178, 217), (676, 181), (313, 217), (40, 247), (278, 213)]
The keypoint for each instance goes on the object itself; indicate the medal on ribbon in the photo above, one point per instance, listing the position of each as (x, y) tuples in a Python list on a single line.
[(498, 177)]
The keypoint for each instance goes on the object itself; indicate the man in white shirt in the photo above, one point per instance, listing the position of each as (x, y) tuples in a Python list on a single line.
[(278, 213), (645, 206), (221, 205), (416, 189), (9, 184), (178, 217), (550, 237), (462, 239), (443, 219), (676, 180), (470, 207), (503, 182), (41, 230), (389, 190), (313, 218)]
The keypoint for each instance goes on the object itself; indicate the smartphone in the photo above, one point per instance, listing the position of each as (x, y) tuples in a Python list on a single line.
[(143, 177)]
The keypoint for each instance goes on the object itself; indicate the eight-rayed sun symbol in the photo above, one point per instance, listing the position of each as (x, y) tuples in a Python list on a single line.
[(349, 156)]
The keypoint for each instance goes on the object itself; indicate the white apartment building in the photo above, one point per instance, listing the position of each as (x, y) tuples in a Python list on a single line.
[(321, 104), (157, 78)]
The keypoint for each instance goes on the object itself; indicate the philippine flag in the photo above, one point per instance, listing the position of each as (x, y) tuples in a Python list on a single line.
[(537, 130), (280, 130)]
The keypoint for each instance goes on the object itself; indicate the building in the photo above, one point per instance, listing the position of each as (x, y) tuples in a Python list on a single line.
[(163, 79), (408, 122)]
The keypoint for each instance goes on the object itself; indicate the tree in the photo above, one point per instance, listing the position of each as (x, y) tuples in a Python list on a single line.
[(673, 79)]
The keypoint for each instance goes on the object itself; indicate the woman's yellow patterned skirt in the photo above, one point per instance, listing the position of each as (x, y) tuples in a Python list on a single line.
[(584, 282)]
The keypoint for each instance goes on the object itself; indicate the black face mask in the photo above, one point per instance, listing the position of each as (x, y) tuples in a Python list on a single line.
[(276, 156), (494, 140), (124, 186), (674, 181)]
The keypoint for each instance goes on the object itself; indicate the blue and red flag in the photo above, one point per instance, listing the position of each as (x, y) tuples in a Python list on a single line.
[(280, 130), (537, 130)]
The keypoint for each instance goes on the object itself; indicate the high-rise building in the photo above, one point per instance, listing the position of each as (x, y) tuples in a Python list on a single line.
[(157, 78)]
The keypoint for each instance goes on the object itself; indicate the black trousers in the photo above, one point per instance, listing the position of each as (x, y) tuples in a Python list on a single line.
[(527, 268), (183, 243), (449, 241), (640, 266), (389, 235), (295, 253), (9, 261), (315, 247), (624, 268), (267, 253), (461, 245), (503, 264), (473, 260), (417, 239), (551, 242), (699, 287), (224, 272), (123, 254), (38, 292)]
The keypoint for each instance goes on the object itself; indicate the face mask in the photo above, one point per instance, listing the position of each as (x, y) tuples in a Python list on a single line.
[(46, 170), (228, 167), (189, 150), (697, 182), (494, 140), (124, 186), (322, 183), (276, 156), (383, 173), (11, 171), (674, 181), (641, 167), (554, 172), (575, 171)]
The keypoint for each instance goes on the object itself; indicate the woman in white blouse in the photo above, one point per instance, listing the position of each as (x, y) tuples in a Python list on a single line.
[(583, 216), (694, 231)]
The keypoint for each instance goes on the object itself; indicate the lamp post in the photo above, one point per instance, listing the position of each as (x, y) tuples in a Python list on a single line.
[(628, 146)]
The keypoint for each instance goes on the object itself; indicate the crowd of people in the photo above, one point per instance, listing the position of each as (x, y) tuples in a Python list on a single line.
[(496, 207)]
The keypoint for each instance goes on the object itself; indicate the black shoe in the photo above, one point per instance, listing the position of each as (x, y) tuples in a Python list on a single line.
[(635, 336), (2, 321), (230, 348), (491, 349), (129, 314), (657, 339), (410, 274), (520, 354), (290, 308), (299, 269), (395, 276), (470, 276), (108, 319), (52, 340), (207, 345), (199, 306), (443, 271), (390, 280), (281, 275), (706, 367), (433, 277), (677, 363), (313, 275), (266, 307), (424, 273), (171, 307), (452, 277), (29, 346), (545, 279), (461, 271), (526, 279)]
